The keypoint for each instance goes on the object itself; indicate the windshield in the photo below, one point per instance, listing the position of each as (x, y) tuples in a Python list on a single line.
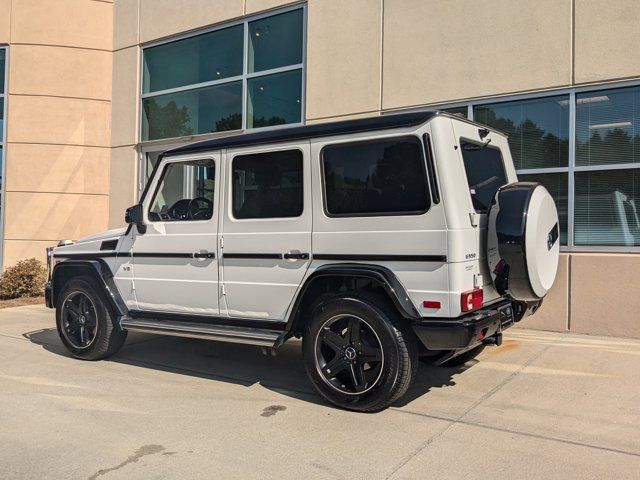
[(485, 172)]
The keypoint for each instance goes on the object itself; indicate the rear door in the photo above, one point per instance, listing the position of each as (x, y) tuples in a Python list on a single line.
[(487, 164), (266, 229)]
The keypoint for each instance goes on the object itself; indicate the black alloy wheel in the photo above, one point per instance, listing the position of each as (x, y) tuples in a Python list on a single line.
[(85, 323), (357, 352), (79, 320), (349, 354)]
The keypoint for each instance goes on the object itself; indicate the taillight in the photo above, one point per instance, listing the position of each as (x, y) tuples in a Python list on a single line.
[(471, 300)]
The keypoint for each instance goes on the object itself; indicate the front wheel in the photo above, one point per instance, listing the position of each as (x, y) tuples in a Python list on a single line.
[(84, 322), (358, 354)]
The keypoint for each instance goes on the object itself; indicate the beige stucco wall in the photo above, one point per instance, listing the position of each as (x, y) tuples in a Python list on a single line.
[(58, 122), (607, 40)]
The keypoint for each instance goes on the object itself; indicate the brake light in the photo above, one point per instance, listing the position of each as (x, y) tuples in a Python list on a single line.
[(472, 300)]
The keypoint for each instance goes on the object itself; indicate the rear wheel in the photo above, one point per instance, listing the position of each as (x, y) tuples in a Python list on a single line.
[(357, 354), (84, 323)]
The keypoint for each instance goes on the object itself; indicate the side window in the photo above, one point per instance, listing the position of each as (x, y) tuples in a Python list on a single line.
[(485, 173), (268, 185), (185, 192), (382, 177)]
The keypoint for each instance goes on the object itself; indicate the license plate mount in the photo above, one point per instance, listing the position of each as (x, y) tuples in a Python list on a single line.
[(506, 316)]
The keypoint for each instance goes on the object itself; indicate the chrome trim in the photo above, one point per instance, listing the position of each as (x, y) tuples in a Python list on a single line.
[(223, 333)]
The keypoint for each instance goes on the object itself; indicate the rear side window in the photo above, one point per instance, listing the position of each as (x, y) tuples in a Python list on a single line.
[(268, 185), (382, 177), (485, 173)]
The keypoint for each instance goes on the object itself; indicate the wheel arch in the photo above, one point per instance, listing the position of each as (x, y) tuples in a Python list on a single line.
[(331, 278), (99, 271)]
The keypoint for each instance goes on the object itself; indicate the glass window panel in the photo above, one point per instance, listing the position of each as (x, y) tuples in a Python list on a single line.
[(185, 192), (460, 111), (557, 184), (3, 54), (1, 119), (152, 159), (203, 110), (607, 208), (485, 173), (608, 127), (274, 99), (538, 129), (275, 41), (375, 178), (268, 185), (203, 58)]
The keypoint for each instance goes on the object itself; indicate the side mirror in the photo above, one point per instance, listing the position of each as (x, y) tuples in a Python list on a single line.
[(135, 215)]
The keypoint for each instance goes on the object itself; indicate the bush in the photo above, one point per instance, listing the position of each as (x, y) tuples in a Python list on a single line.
[(24, 279)]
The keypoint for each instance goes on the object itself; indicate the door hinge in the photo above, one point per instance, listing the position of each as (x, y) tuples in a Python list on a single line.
[(224, 292), (221, 242), (473, 216)]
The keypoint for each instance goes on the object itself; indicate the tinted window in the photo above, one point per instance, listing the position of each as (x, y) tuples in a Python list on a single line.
[(381, 177), (268, 185), (538, 129), (485, 173), (185, 192)]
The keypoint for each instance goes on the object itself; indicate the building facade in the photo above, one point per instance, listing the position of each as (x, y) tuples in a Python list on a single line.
[(93, 91)]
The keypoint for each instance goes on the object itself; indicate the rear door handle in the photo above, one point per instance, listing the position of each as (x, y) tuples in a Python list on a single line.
[(295, 256)]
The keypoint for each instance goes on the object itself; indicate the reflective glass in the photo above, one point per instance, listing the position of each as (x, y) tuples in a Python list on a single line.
[(3, 54), (485, 173), (268, 185), (375, 178), (538, 129), (203, 58), (608, 127), (275, 41), (274, 99), (607, 208), (557, 184), (203, 110)]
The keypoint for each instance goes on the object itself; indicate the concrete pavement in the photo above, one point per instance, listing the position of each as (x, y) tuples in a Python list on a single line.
[(541, 405)]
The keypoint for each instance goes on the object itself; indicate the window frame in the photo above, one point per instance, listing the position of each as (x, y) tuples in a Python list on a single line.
[(423, 165), (244, 77), (158, 184), (3, 144), (571, 168), (231, 190)]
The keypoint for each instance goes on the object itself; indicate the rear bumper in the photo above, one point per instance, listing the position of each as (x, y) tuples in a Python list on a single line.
[(464, 332)]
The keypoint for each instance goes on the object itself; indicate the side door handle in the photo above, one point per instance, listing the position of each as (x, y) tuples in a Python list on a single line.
[(295, 256), (204, 255)]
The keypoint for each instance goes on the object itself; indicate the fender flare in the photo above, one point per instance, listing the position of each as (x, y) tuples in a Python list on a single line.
[(99, 270), (382, 275)]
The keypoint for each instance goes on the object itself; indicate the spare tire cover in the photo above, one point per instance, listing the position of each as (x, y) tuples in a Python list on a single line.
[(523, 241)]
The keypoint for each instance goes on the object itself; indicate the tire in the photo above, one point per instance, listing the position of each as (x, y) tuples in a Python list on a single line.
[(355, 383), (85, 325), (464, 357)]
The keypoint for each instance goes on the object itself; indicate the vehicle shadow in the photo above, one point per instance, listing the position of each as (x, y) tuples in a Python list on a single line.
[(281, 371)]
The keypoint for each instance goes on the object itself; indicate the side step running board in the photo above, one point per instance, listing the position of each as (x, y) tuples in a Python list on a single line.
[(222, 333)]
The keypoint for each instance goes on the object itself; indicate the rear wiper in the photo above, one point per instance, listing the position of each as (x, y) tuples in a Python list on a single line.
[(469, 146)]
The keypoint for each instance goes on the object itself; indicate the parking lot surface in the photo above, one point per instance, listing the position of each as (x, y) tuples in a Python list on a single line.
[(543, 405)]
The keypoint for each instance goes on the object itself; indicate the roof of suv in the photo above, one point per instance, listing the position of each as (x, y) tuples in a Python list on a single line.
[(308, 131), (381, 122)]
